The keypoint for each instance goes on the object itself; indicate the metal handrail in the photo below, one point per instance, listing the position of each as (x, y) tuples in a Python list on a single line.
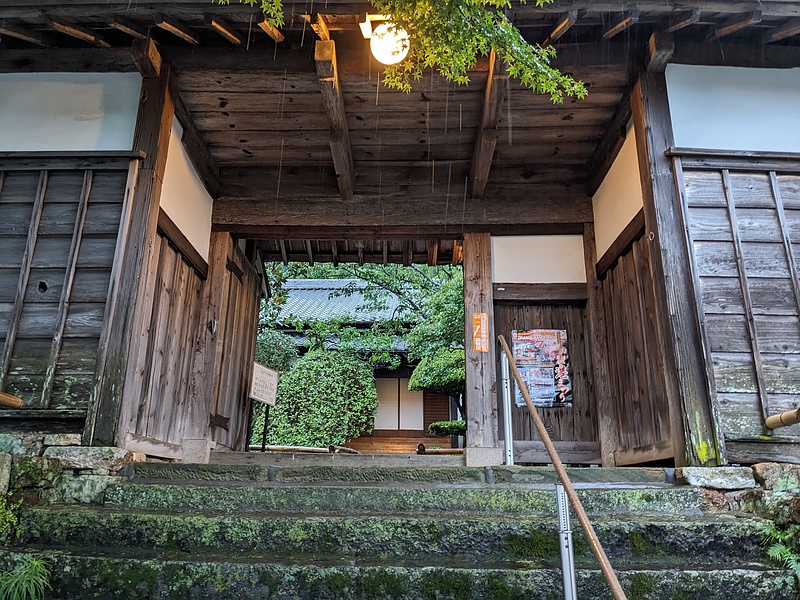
[(594, 542)]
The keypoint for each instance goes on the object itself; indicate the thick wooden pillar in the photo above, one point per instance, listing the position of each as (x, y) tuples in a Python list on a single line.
[(124, 315), (481, 399), (694, 429)]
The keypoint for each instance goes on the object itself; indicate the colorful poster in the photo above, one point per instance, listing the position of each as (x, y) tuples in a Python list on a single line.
[(542, 358)]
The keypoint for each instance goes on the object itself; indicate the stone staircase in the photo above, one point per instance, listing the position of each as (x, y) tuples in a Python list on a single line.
[(282, 529)]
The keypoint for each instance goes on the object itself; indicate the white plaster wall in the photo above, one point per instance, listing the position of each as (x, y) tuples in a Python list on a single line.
[(618, 198), (184, 197), (538, 259), (387, 415), (68, 111), (734, 108), (411, 408)]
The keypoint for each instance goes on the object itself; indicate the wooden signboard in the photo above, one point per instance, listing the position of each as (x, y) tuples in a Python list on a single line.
[(264, 385)]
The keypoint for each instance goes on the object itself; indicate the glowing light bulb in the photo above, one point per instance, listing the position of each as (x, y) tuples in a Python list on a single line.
[(389, 43)]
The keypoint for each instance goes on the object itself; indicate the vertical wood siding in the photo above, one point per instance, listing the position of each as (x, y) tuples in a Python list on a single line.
[(743, 232), (576, 424), (58, 234)]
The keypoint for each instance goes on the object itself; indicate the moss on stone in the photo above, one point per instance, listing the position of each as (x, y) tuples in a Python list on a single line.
[(534, 545), (448, 584), (383, 584), (640, 585)]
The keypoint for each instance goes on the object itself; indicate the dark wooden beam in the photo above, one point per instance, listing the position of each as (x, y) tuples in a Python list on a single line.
[(632, 232), (335, 252), (24, 34), (608, 147), (660, 49), (223, 28), (284, 253), (408, 253), (737, 24), (309, 252), (629, 19), (146, 57), (360, 252), (683, 20), (543, 293), (783, 31), (696, 437), (433, 252), (385, 251), (56, 60), (320, 27), (564, 24), (271, 30), (128, 27), (342, 151), (177, 29), (483, 152), (81, 33), (737, 55)]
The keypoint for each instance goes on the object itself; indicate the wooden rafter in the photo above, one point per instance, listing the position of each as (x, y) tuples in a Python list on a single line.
[(335, 253), (24, 34), (78, 32), (563, 25), (737, 24), (271, 30), (628, 19), (320, 27), (496, 86), (196, 148), (787, 30), (284, 253), (177, 29), (309, 252), (128, 27), (385, 251), (342, 151), (224, 29), (408, 253), (660, 49), (684, 20)]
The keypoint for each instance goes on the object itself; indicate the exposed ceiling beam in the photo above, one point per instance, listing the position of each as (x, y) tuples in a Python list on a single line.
[(737, 24), (629, 19), (486, 140), (224, 29), (408, 253), (342, 151), (80, 33), (271, 30), (563, 25), (433, 252), (335, 252), (309, 252), (177, 29), (284, 254), (660, 49), (24, 34), (146, 57), (684, 20), (788, 29), (320, 27), (126, 26)]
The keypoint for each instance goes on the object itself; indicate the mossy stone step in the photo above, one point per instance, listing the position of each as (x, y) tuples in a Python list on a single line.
[(641, 539), (438, 498), (86, 577)]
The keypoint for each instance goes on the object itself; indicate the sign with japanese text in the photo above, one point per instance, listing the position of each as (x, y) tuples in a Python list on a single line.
[(480, 332), (264, 385), (542, 358)]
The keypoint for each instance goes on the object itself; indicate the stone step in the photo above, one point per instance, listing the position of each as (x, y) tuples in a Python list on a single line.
[(382, 498), (287, 472), (87, 577), (639, 539)]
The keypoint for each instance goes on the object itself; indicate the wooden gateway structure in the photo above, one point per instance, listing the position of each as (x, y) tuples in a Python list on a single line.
[(153, 154)]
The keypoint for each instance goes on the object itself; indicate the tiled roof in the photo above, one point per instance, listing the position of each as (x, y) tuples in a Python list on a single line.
[(311, 299)]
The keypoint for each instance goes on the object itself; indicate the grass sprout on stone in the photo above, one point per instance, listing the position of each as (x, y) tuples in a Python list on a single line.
[(29, 580)]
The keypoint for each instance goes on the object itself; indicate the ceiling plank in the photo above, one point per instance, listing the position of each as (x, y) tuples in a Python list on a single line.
[(342, 151), (788, 29), (486, 140), (271, 30), (177, 29), (24, 34), (224, 29), (81, 33), (127, 27), (629, 19), (684, 20), (563, 25), (737, 24)]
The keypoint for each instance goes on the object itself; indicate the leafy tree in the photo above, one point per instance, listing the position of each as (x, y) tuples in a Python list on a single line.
[(451, 34), (328, 397), (275, 349)]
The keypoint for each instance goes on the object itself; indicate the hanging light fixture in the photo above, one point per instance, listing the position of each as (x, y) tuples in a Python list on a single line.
[(388, 42)]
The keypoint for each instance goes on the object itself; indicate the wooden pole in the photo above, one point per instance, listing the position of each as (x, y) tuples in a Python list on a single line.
[(594, 542), (10, 401), (790, 417)]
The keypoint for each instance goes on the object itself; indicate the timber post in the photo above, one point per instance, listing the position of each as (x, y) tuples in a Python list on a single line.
[(481, 398), (696, 439), (153, 127)]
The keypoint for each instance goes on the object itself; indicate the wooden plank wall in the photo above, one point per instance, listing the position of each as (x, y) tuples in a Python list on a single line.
[(59, 220), (579, 423), (636, 384), (743, 231)]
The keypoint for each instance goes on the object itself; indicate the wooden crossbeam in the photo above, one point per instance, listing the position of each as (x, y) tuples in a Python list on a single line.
[(126, 26), (787, 30), (684, 20), (177, 29), (24, 34), (224, 29), (486, 140), (79, 32), (342, 151), (628, 19), (146, 57), (737, 24), (320, 27), (563, 25), (271, 30)]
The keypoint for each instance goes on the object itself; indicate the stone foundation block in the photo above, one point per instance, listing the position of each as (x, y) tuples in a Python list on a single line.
[(717, 478), (5, 472), (84, 489), (23, 444), (779, 477), (95, 459), (483, 457), (34, 471), (62, 439)]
